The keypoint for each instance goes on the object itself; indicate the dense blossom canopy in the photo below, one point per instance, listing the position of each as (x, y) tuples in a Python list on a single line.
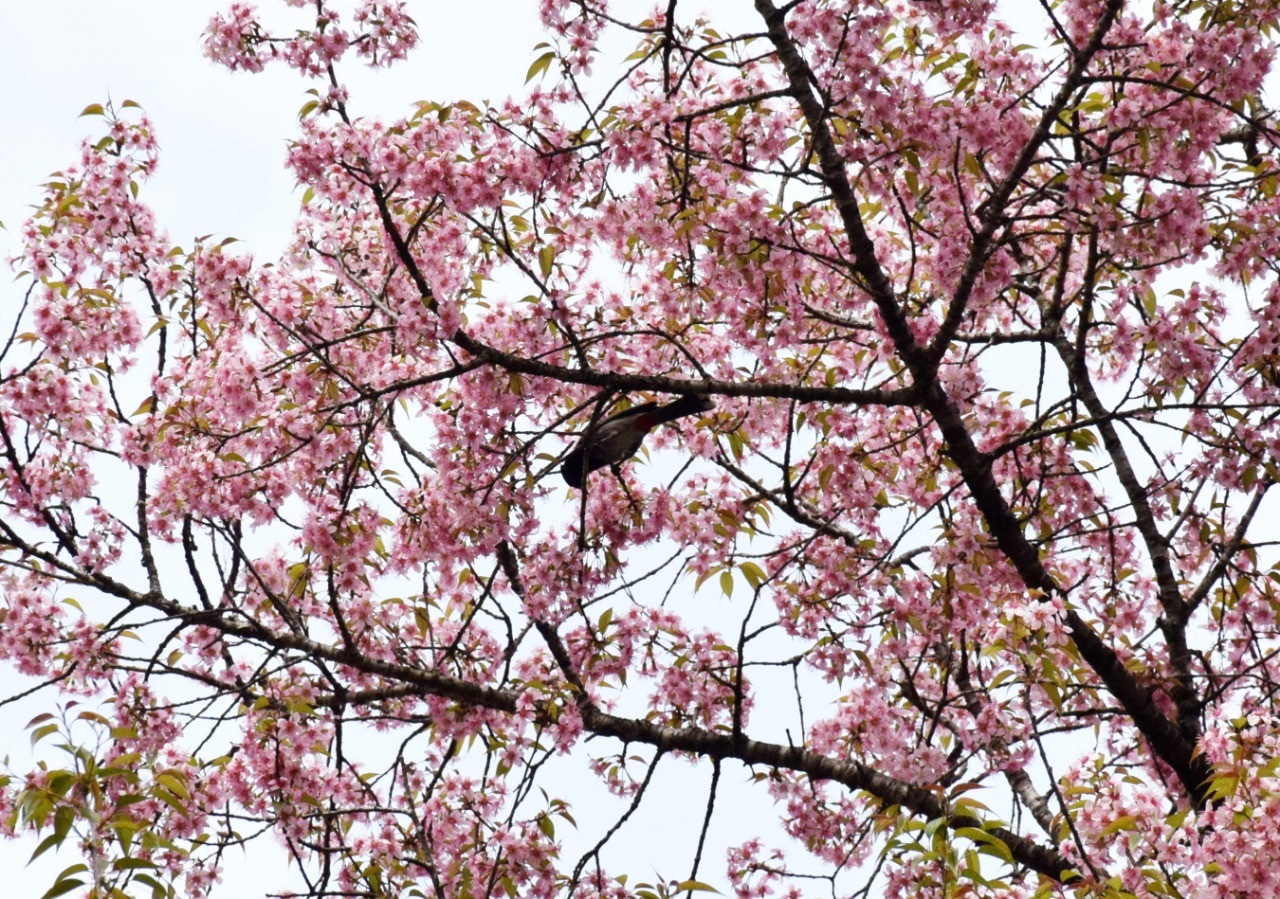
[(969, 570)]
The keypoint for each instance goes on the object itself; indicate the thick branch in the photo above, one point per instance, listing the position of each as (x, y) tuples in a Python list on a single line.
[(975, 467), (1175, 609), (486, 354), (865, 264), (993, 210), (819, 767), (851, 774), (659, 383), (405, 680)]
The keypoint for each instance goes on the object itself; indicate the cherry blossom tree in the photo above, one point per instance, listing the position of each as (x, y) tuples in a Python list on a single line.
[(970, 571)]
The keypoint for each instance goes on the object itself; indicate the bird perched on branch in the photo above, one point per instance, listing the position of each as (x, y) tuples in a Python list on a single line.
[(619, 436)]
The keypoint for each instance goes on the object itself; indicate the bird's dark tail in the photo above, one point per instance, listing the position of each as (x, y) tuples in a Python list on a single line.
[(686, 405)]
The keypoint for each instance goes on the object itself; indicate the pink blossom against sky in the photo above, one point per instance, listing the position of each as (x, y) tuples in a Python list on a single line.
[(222, 134), (223, 144)]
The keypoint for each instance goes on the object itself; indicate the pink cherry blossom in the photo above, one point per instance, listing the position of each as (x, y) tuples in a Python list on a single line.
[(967, 575)]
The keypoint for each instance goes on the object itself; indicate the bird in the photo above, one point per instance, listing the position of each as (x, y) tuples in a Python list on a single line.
[(619, 436)]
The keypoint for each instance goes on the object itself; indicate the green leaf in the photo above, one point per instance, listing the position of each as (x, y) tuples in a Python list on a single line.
[(1124, 822), (53, 839), (63, 818), (540, 66), (695, 886), (125, 832), (158, 890), (988, 843), (175, 782), (61, 887), (753, 573), (41, 732)]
